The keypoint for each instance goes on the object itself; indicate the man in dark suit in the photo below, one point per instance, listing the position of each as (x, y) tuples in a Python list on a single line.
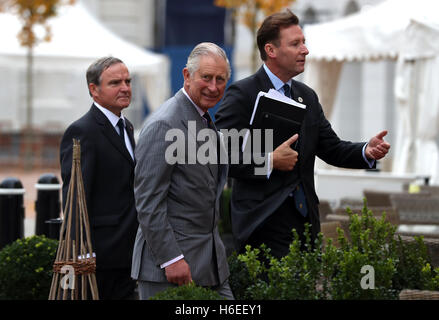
[(265, 208), (107, 162)]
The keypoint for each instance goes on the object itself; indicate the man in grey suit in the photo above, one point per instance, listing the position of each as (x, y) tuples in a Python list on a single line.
[(178, 182)]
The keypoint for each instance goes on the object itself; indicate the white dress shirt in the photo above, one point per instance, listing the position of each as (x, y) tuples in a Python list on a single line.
[(114, 120)]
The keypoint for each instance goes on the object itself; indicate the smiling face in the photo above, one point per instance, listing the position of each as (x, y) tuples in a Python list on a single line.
[(114, 90), (207, 84), (286, 57)]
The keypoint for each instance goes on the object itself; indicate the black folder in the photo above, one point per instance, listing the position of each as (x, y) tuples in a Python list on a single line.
[(283, 118)]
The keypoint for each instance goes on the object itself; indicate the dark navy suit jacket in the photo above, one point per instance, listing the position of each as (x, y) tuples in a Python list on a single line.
[(254, 197), (108, 175)]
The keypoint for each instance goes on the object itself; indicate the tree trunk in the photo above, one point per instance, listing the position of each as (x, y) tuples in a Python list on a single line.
[(29, 88), (27, 136), (254, 30)]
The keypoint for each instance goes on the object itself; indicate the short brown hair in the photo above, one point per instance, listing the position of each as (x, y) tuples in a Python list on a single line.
[(95, 70), (270, 28)]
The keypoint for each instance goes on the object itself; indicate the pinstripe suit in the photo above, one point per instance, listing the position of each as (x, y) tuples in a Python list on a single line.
[(178, 204)]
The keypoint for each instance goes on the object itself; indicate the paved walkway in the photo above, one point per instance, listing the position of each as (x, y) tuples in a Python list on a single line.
[(28, 179)]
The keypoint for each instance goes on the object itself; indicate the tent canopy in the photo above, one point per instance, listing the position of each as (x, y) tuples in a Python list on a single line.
[(374, 33), (77, 40), (404, 30)]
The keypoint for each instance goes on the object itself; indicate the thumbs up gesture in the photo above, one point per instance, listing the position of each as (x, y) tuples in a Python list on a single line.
[(284, 157), (377, 148)]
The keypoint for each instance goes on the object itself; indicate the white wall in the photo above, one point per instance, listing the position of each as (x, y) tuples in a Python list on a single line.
[(133, 20)]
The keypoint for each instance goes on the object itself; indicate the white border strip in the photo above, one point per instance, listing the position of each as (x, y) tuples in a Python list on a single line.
[(40, 186), (11, 191)]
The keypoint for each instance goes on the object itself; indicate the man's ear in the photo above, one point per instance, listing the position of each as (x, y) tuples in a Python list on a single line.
[(186, 76), (93, 89), (270, 50)]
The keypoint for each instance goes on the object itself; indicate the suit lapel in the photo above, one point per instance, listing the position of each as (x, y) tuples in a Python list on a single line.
[(130, 130), (110, 133), (265, 83), (223, 165), (297, 96)]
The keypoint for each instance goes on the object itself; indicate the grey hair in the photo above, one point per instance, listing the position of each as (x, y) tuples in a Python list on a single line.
[(95, 70), (206, 49)]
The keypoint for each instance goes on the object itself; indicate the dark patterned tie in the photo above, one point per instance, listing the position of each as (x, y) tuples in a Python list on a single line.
[(121, 126), (287, 90), (298, 194), (210, 125), (206, 116)]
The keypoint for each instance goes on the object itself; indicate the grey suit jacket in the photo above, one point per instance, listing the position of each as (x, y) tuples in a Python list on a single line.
[(178, 204)]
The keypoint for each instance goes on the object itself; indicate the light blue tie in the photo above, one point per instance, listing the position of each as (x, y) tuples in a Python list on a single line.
[(298, 194)]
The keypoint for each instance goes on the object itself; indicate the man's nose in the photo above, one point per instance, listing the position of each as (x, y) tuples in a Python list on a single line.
[(126, 86), (213, 85), (305, 50)]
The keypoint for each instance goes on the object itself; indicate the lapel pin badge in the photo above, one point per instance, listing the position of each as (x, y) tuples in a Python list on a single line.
[(300, 99)]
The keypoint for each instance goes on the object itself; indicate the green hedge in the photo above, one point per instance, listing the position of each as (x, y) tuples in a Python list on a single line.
[(187, 292), (26, 268), (373, 257)]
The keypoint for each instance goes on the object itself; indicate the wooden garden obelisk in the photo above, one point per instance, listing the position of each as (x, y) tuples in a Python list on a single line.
[(75, 265)]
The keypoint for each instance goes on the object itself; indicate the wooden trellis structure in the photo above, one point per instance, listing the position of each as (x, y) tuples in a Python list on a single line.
[(75, 266)]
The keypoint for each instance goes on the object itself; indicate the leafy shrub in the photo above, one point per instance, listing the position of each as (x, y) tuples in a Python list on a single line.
[(412, 259), (26, 268), (187, 292), (328, 272), (430, 278), (371, 244), (239, 279), (298, 275)]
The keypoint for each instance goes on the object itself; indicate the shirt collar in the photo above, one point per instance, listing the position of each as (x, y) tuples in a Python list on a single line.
[(277, 83), (200, 111), (110, 115)]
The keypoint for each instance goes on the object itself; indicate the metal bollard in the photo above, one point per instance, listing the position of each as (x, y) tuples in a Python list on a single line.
[(54, 226), (47, 205), (11, 211)]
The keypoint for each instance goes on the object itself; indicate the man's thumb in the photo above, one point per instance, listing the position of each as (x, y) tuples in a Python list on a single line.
[(382, 134), (293, 139)]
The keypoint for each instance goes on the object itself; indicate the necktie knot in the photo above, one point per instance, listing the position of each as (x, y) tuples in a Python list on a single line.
[(206, 116), (287, 90)]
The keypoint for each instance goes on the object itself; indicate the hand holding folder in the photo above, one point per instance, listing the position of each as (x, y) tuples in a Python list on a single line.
[(275, 111), (284, 157)]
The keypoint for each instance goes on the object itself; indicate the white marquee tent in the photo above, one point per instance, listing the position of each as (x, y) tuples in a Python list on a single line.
[(404, 30), (60, 90)]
